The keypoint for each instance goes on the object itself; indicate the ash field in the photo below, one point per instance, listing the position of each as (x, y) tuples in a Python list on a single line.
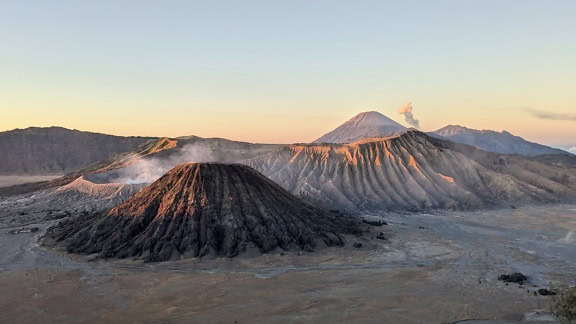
[(371, 223), (432, 268)]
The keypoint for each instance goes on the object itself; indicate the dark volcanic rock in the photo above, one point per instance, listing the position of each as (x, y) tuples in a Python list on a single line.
[(24, 230), (546, 292), (374, 222), (201, 209), (515, 277)]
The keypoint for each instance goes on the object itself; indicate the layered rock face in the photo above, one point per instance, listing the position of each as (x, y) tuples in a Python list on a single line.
[(201, 209), (413, 172)]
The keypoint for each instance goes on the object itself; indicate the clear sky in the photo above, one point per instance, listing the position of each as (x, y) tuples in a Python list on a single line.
[(288, 71)]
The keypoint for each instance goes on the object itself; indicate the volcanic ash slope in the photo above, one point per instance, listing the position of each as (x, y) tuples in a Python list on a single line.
[(201, 209), (368, 124), (414, 172)]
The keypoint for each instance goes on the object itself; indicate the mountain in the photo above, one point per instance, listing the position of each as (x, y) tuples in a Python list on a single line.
[(152, 160), (369, 124), (413, 171), (498, 142), (57, 150), (200, 209)]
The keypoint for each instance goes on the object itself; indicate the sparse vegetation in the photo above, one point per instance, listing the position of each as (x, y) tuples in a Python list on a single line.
[(564, 307)]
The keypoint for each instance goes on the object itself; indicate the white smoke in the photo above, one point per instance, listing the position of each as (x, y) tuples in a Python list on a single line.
[(149, 170), (569, 238), (406, 110)]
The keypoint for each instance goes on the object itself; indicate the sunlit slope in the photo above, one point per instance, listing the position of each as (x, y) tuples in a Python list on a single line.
[(413, 172)]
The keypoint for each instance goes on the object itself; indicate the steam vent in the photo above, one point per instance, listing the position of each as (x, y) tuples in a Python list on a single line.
[(201, 209)]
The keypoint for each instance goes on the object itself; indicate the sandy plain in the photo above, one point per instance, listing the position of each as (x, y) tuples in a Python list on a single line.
[(432, 268)]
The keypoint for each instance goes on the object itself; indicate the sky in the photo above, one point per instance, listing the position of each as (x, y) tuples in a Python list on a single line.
[(288, 71)]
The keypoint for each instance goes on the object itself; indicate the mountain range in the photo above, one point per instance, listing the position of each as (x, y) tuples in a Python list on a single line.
[(413, 171), (57, 150), (373, 124), (498, 142), (385, 167)]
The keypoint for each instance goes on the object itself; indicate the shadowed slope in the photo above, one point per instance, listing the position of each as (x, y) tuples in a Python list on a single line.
[(57, 150), (200, 209), (413, 172)]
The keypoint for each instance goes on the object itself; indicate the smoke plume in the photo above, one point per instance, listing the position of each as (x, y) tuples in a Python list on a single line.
[(150, 170), (569, 238), (406, 110)]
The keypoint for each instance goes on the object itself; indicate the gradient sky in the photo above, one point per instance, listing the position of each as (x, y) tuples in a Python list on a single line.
[(288, 71)]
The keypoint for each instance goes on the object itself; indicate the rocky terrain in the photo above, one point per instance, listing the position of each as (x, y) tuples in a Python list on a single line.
[(9, 181), (57, 150), (413, 172), (368, 124), (561, 160), (498, 142), (201, 209), (78, 197)]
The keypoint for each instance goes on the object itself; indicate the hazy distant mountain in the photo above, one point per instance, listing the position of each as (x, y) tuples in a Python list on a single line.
[(499, 142), (413, 171), (368, 124), (56, 150)]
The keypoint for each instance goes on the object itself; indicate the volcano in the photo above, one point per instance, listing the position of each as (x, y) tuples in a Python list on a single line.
[(370, 124), (201, 209), (414, 172)]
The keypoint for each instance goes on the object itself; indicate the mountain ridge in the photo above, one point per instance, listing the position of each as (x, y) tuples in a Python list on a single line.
[(413, 171), (58, 150), (499, 142)]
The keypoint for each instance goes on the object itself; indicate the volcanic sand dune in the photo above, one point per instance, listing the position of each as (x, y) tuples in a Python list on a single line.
[(201, 209), (413, 171)]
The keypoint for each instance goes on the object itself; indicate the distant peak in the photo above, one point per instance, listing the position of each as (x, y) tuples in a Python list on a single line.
[(372, 118), (454, 127), (370, 113), (368, 124)]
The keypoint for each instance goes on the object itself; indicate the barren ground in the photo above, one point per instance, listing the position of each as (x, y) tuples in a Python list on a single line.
[(7, 181), (434, 268)]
